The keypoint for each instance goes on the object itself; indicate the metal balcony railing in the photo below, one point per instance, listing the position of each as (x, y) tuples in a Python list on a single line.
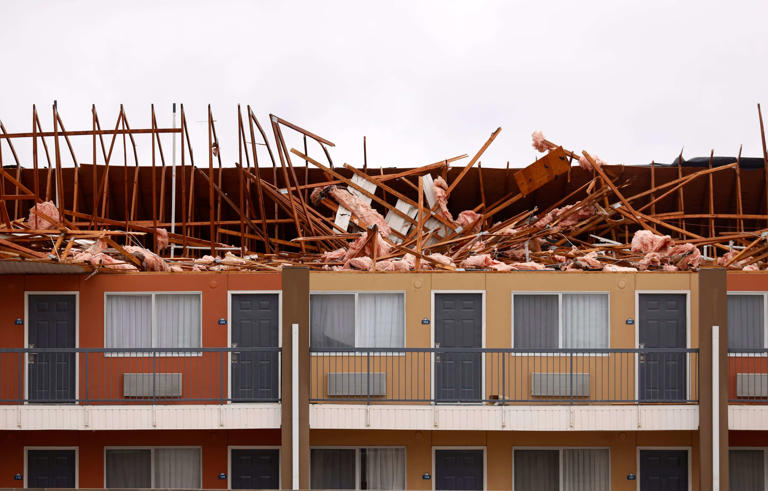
[(504, 376), (748, 375), (139, 376)]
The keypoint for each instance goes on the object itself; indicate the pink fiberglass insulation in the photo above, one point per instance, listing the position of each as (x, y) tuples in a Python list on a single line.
[(469, 218), (441, 258), (652, 259), (751, 267), (587, 165), (382, 247), (539, 143), (103, 260), (569, 221), (366, 215), (479, 261), (385, 265), (162, 238), (333, 256), (687, 256), (150, 260), (363, 263), (528, 266), (646, 241), (591, 260), (441, 195), (47, 208)]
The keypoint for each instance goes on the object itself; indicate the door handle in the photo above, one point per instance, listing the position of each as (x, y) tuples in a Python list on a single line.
[(642, 358), (32, 357), (234, 356)]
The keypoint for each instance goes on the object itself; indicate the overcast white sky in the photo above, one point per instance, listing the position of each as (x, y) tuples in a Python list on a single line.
[(630, 82)]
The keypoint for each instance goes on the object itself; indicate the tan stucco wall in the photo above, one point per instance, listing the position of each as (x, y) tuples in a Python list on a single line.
[(499, 446), (498, 289)]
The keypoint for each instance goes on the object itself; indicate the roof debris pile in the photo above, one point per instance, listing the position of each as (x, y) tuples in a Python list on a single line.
[(347, 219)]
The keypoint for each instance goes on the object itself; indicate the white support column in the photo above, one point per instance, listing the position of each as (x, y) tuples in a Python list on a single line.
[(716, 408), (295, 404)]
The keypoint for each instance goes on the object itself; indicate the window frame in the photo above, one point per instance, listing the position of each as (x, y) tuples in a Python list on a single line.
[(560, 459), (153, 326), (356, 294), (560, 326), (151, 449), (358, 467), (755, 293)]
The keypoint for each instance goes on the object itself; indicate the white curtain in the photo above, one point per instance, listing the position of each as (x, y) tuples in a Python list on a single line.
[(332, 321), (177, 468), (177, 320), (129, 468), (381, 320), (585, 320), (333, 468), (385, 468), (586, 469), (745, 321), (746, 470), (129, 321)]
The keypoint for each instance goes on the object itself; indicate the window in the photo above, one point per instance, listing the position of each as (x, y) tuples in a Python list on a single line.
[(153, 468), (746, 321), (576, 468), (357, 468), (746, 469), (560, 320), (153, 320), (357, 320)]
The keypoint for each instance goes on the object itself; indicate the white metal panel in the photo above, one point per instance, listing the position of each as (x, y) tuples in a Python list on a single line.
[(747, 417), (140, 417), (397, 222), (508, 418), (342, 214)]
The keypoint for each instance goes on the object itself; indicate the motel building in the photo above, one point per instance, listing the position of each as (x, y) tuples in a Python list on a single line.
[(530, 381)]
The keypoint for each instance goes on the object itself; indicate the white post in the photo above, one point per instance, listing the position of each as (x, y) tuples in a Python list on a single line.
[(173, 179), (716, 408), (295, 404)]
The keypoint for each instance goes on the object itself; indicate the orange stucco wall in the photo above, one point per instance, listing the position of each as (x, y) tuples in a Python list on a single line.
[(206, 371), (90, 445), (499, 447)]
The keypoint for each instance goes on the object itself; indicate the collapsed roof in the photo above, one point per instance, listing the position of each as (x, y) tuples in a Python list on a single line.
[(566, 211)]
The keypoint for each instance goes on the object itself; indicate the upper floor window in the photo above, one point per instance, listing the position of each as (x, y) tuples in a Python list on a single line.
[(746, 321), (153, 320), (357, 320), (560, 320)]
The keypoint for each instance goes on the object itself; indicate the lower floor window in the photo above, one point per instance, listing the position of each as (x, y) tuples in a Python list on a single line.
[(357, 468), (746, 469), (153, 468), (576, 468)]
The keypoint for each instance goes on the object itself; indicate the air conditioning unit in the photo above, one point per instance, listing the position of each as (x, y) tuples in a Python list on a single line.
[(141, 384)]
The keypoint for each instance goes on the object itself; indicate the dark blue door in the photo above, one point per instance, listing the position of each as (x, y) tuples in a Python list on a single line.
[(255, 469), (51, 376), (50, 468), (459, 469), (662, 376), (664, 470), (458, 324), (255, 324)]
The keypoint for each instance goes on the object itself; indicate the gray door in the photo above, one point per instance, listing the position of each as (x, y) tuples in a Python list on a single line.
[(458, 324), (663, 470), (255, 324), (51, 321), (255, 469), (662, 376), (459, 469), (50, 468)]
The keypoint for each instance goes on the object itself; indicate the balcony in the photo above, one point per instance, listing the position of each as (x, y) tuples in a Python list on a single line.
[(132, 388), (492, 385)]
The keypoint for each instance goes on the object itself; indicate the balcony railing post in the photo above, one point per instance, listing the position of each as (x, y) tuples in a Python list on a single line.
[(154, 377), (223, 355), (21, 377), (368, 377), (503, 377), (570, 381), (86, 379)]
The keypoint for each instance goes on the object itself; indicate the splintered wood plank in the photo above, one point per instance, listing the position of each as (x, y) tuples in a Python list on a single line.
[(542, 171)]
